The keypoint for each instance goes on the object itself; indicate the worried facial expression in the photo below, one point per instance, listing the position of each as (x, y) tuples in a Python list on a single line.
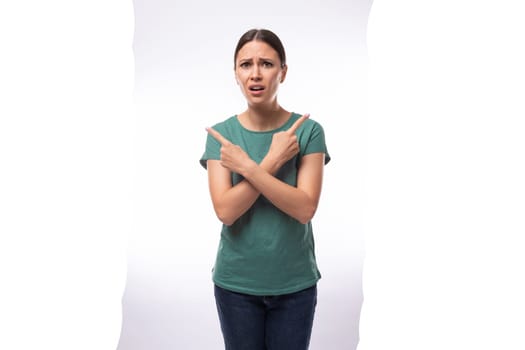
[(258, 72)]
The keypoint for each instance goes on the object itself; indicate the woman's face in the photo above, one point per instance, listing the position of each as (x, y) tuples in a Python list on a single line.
[(258, 72)]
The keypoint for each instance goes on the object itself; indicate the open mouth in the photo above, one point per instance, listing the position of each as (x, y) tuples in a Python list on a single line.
[(256, 88)]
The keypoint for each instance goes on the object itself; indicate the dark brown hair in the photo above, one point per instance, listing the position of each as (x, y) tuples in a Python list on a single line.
[(263, 35)]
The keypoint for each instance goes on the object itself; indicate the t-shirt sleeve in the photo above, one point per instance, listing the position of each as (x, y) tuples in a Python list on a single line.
[(316, 142), (212, 151)]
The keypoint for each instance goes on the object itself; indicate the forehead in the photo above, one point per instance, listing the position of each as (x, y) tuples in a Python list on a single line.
[(256, 48)]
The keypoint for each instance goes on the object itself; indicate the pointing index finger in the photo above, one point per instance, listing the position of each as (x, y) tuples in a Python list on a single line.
[(216, 135), (298, 123)]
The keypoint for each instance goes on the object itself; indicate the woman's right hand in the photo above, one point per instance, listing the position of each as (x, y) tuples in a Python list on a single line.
[(233, 157)]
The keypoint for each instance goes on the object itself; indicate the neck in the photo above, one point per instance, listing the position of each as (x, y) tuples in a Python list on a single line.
[(265, 118)]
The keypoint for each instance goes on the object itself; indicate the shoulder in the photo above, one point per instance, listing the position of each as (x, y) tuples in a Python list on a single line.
[(228, 127), (226, 123)]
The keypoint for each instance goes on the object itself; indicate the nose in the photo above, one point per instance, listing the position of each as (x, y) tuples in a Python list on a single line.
[(255, 73)]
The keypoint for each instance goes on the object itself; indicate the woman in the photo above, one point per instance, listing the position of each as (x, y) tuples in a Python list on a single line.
[(265, 170)]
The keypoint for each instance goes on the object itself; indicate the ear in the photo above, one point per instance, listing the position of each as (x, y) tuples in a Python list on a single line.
[(235, 75), (283, 73)]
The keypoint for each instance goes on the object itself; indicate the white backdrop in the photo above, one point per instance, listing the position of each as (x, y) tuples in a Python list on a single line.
[(184, 82)]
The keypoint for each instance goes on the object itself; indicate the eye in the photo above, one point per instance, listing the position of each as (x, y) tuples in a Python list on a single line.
[(267, 64), (245, 65)]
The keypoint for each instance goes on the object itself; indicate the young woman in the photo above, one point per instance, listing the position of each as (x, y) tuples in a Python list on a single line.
[(265, 171)]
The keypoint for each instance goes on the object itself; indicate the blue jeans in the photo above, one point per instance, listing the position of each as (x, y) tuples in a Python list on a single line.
[(282, 322)]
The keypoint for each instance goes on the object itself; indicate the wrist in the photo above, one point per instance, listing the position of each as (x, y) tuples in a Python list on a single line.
[(249, 169), (270, 164)]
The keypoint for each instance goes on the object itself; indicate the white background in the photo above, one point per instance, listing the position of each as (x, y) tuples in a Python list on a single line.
[(66, 165), (443, 224)]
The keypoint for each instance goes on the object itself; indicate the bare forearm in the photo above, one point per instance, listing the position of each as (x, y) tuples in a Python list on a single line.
[(291, 200), (234, 202)]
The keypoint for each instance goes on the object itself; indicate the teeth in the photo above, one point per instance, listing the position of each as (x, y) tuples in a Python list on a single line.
[(256, 88)]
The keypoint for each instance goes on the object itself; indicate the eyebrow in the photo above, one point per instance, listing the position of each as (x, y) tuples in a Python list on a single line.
[(251, 59)]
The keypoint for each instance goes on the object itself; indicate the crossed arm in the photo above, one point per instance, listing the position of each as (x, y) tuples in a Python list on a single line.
[(231, 201)]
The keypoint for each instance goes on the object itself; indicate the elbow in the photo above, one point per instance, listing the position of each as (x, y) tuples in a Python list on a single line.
[(226, 221), (306, 215), (304, 221), (224, 217)]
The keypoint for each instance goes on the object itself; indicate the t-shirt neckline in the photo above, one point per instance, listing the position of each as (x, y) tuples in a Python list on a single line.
[(284, 126)]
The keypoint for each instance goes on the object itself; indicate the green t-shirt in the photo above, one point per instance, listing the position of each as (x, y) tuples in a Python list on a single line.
[(266, 252)]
